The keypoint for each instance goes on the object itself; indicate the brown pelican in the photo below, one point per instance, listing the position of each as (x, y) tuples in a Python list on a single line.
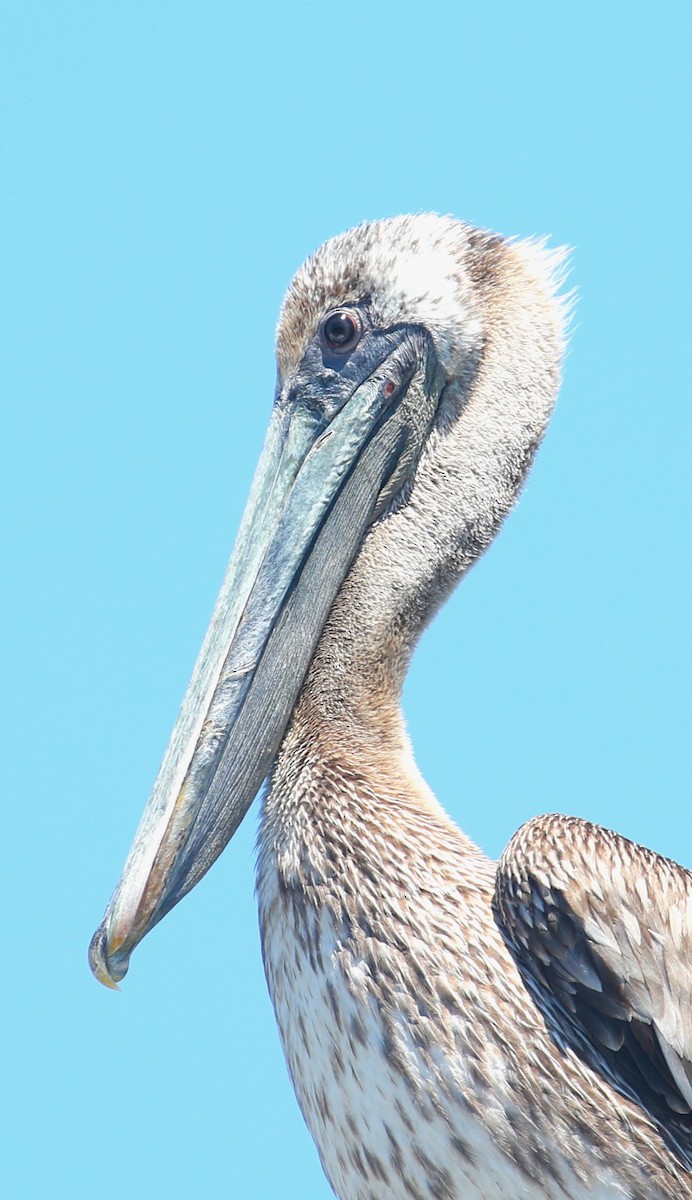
[(454, 1028)]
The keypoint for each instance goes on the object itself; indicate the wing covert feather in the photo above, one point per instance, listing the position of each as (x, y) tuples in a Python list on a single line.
[(601, 930)]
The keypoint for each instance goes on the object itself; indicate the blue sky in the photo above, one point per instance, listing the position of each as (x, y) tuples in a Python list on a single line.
[(168, 168)]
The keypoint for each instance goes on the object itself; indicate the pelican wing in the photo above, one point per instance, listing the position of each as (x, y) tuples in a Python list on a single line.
[(601, 930)]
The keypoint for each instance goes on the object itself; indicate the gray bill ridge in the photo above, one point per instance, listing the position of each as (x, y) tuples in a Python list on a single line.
[(337, 451)]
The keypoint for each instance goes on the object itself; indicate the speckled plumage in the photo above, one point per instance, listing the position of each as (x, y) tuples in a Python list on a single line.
[(422, 1063), (454, 1029)]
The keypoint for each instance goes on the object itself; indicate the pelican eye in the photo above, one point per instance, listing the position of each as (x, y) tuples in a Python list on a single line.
[(341, 330)]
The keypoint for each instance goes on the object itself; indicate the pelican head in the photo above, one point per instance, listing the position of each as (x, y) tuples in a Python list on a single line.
[(418, 362)]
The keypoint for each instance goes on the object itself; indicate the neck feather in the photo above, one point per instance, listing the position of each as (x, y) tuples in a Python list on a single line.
[(469, 476), (471, 471)]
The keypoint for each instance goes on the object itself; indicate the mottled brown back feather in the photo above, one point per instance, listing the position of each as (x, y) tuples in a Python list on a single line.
[(600, 929)]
